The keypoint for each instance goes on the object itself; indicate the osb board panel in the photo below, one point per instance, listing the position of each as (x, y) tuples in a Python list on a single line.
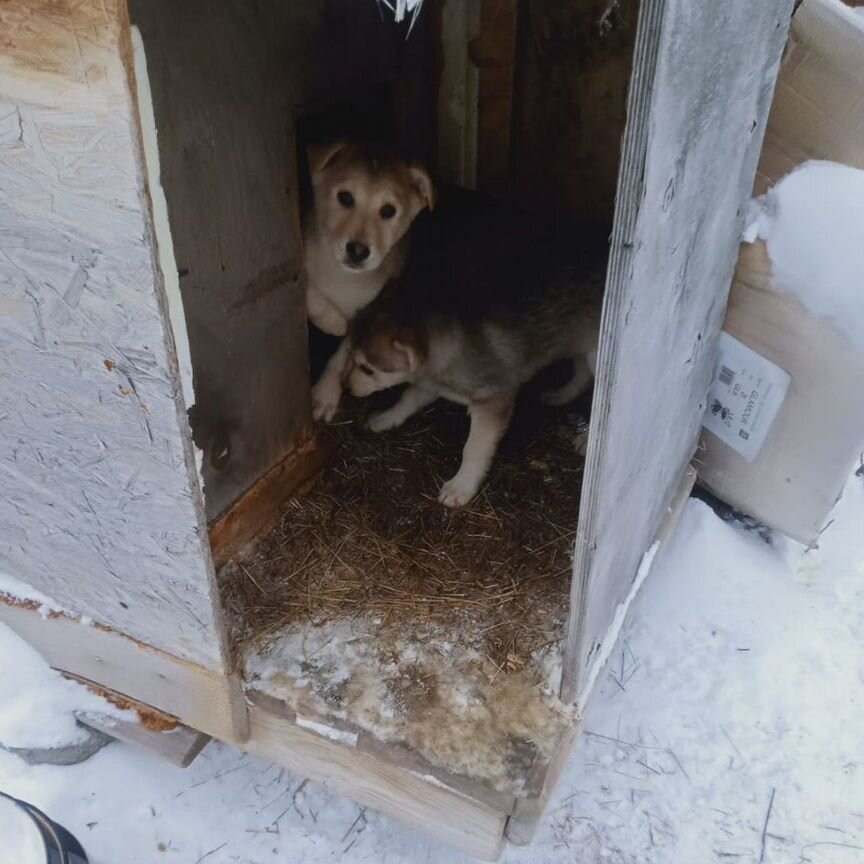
[(99, 506), (226, 79), (702, 83), (570, 92), (818, 108)]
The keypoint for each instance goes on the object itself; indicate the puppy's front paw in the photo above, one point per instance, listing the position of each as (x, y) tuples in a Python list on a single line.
[(382, 421), (581, 445), (326, 317), (334, 324), (557, 397), (325, 400), (457, 492)]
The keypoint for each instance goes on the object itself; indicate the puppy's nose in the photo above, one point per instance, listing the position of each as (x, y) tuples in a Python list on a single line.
[(357, 252)]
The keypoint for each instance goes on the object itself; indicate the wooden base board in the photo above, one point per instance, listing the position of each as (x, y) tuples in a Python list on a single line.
[(262, 506), (204, 699), (420, 801)]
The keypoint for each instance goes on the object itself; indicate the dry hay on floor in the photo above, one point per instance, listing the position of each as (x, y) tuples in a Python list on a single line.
[(373, 607), (370, 539)]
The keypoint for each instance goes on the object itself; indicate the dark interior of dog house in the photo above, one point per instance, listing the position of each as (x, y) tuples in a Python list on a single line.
[(368, 604)]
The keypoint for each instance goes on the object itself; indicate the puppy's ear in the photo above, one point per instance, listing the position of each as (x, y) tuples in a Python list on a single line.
[(409, 352), (320, 156), (422, 184)]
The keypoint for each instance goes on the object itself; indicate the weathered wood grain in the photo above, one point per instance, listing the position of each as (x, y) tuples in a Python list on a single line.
[(100, 506), (201, 698), (426, 805), (702, 82), (227, 80)]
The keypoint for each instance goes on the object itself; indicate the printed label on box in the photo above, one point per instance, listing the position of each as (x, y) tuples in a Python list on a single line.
[(744, 398)]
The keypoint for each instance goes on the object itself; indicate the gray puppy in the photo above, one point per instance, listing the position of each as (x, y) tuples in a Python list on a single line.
[(472, 324)]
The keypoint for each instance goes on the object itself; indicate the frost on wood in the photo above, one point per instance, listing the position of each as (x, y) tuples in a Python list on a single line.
[(813, 224), (97, 507), (449, 703)]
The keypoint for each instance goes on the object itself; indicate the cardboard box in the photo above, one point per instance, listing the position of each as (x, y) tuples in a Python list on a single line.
[(818, 435)]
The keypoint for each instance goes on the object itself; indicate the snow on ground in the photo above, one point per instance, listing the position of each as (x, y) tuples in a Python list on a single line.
[(726, 728), (813, 223), (38, 705)]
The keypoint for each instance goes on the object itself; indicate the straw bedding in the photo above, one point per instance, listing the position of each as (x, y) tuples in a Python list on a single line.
[(369, 538)]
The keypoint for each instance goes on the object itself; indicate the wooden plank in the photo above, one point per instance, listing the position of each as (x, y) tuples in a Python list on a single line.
[(260, 508), (527, 812), (570, 95), (100, 506), (205, 700), (432, 808), (160, 733), (398, 755), (226, 80), (702, 82), (457, 94), (493, 52)]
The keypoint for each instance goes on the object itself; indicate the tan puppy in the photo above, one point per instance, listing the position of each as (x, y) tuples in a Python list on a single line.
[(365, 199), (475, 350)]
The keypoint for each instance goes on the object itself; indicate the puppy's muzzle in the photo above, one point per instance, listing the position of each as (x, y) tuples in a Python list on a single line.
[(356, 252)]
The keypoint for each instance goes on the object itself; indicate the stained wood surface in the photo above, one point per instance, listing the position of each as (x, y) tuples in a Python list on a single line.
[(261, 507), (569, 100), (100, 507), (702, 82), (156, 731), (208, 701), (227, 80)]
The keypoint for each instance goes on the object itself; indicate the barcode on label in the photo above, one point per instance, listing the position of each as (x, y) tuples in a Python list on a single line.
[(726, 376)]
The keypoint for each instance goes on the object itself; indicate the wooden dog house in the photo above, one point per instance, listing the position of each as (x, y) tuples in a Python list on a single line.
[(154, 384)]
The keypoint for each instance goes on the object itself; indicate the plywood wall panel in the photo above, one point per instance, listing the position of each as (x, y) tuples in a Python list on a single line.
[(99, 503)]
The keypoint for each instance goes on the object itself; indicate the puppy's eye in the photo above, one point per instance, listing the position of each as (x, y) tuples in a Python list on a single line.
[(388, 211), (366, 369), (346, 199)]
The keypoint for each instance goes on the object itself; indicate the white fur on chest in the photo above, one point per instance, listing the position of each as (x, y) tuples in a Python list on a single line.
[(348, 291)]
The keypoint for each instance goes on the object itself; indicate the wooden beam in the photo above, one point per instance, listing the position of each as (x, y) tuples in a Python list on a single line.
[(160, 733), (421, 802), (201, 698), (261, 507), (493, 52), (528, 811)]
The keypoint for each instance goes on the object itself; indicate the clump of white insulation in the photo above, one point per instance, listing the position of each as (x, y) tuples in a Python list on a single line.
[(812, 222)]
